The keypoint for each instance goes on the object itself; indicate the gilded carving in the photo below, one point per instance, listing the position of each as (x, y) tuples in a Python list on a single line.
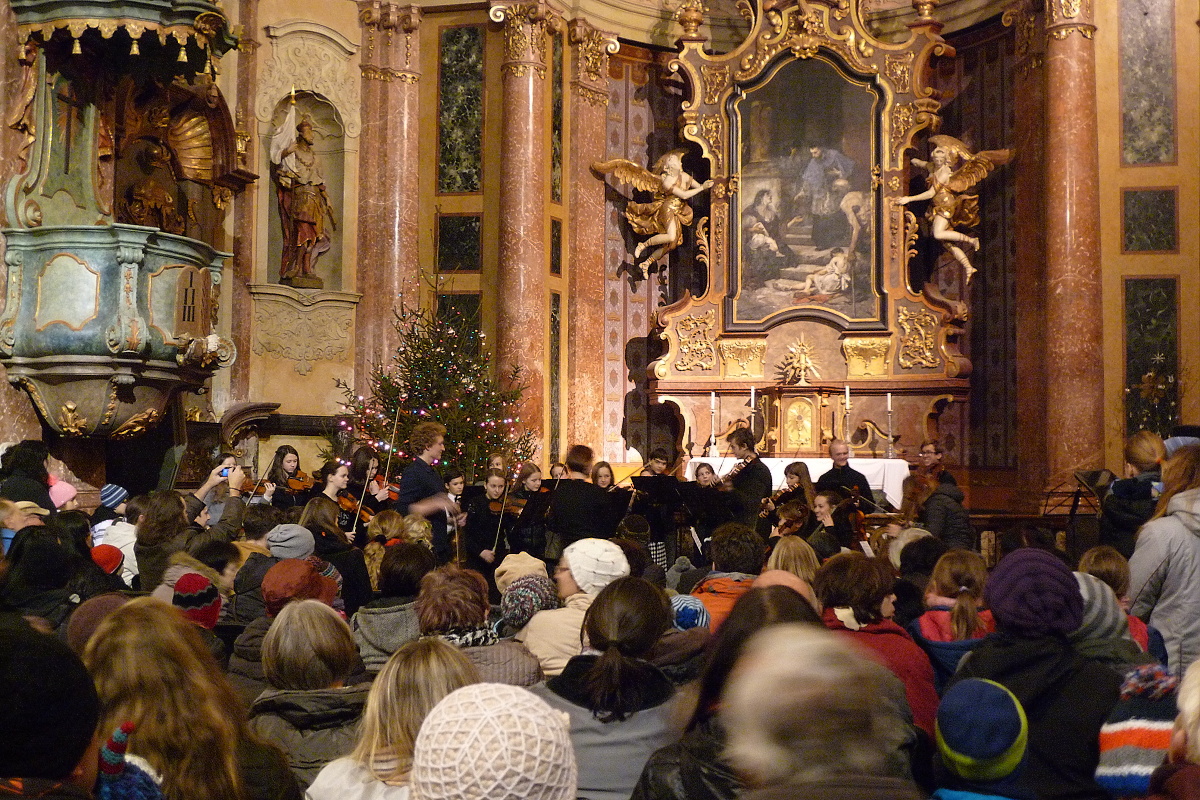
[(152, 205), (137, 424), (302, 335), (702, 241), (524, 36), (742, 358), (593, 97), (904, 115), (918, 342), (911, 231), (798, 424), (715, 80), (307, 56), (712, 128), (798, 364), (1086, 31), (866, 357), (70, 421), (593, 48), (898, 67), (695, 342), (1070, 8)]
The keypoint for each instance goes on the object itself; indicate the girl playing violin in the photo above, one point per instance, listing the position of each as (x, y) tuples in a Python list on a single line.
[(286, 485), (335, 477), (527, 535), (365, 489), (602, 475), (483, 537)]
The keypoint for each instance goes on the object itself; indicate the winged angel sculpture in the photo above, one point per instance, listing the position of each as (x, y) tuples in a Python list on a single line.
[(951, 206), (663, 218)]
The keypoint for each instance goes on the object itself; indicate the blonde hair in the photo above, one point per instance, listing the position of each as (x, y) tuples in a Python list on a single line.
[(1144, 450), (1107, 564), (1187, 700), (417, 529), (793, 554), (961, 574), (373, 556), (308, 646), (411, 683), (1180, 473), (152, 668), (387, 524)]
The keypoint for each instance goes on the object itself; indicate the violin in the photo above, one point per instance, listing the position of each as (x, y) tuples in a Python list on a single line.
[(855, 515), (347, 503), (300, 483), (737, 468), (776, 497), (392, 488)]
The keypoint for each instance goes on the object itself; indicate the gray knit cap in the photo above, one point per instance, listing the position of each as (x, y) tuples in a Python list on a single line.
[(491, 741), (1103, 617), (290, 541)]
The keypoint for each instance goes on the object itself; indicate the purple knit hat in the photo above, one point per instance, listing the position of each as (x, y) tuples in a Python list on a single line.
[(1033, 593)]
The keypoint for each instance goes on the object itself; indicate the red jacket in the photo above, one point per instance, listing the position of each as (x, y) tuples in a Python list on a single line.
[(896, 650), (719, 593)]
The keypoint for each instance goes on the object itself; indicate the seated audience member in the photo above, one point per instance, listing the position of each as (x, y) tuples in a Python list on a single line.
[(528, 753), (23, 475), (793, 554), (49, 711), (917, 560), (321, 518), (290, 579), (586, 567), (737, 558), (1104, 633), (524, 597), (152, 669), (309, 712), (1130, 501), (87, 618), (413, 680), (617, 701), (12, 519), (36, 580), (937, 507), (779, 577), (1179, 778), (1036, 603), (112, 508), (109, 560), (74, 532), (260, 524), (695, 767), (1113, 568), (982, 735), (122, 534), (453, 605), (955, 621), (1136, 737), (807, 719), (518, 565), (382, 626), (200, 602)]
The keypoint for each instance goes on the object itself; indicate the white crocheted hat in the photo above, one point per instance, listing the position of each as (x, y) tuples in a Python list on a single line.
[(490, 741), (595, 563)]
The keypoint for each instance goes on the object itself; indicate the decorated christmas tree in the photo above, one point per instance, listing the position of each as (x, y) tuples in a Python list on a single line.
[(441, 371)]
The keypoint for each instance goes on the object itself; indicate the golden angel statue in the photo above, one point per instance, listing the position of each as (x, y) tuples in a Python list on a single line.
[(663, 218), (951, 206)]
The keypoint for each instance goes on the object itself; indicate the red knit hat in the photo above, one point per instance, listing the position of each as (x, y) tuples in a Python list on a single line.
[(199, 600), (108, 557)]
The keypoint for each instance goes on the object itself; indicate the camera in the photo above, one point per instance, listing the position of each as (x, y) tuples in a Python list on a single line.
[(225, 472)]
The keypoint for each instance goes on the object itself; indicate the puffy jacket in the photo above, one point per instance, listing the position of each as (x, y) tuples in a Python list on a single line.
[(312, 727), (1164, 585), (719, 591), (382, 627), (691, 769), (943, 515)]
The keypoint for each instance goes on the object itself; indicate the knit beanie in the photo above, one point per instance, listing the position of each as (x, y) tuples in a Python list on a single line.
[(1135, 738), (120, 779), (290, 541), (84, 620), (491, 741), (690, 612), (1033, 593), (112, 495), (526, 596), (1103, 617), (199, 600), (48, 705), (981, 731), (108, 558), (595, 563), (517, 565), (62, 492), (294, 579)]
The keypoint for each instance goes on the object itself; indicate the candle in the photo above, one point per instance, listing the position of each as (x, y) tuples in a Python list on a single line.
[(847, 396), (751, 397), (889, 402), (712, 401)]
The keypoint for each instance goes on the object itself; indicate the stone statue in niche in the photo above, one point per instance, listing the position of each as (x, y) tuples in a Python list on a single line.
[(951, 206), (663, 218), (304, 209)]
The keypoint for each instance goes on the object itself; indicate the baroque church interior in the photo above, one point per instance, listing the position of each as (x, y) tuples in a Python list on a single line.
[(875, 220)]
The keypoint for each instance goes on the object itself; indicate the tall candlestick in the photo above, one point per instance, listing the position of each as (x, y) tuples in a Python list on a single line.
[(751, 397), (889, 402), (847, 395), (712, 401)]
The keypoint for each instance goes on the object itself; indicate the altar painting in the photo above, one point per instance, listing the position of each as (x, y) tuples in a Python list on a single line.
[(806, 210)]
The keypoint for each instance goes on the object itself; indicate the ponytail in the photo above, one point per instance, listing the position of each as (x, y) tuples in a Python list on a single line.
[(961, 574), (615, 685), (965, 621)]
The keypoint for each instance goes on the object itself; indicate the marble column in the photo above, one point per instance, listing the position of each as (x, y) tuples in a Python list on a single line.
[(1073, 328), (524, 152), (245, 204), (1029, 112), (388, 172), (588, 98)]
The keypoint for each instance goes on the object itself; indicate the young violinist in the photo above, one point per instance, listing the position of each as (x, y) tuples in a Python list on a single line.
[(484, 544), (602, 475), (286, 485), (528, 532), (365, 489), (656, 464), (798, 488), (750, 481), (335, 477), (833, 518)]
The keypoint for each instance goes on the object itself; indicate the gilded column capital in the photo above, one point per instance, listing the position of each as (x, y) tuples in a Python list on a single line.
[(381, 22), (592, 49), (1064, 17), (524, 35)]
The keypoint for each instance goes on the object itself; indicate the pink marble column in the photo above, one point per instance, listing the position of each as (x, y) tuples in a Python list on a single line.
[(388, 161), (1073, 328), (588, 98), (245, 205), (521, 277)]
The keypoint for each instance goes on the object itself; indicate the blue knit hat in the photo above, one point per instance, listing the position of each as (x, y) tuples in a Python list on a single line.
[(981, 731), (690, 612), (112, 495)]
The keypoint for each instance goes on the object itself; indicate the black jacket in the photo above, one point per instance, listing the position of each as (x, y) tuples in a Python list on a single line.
[(691, 769)]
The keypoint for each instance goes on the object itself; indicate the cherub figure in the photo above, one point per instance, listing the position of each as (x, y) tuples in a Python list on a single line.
[(951, 207), (663, 218)]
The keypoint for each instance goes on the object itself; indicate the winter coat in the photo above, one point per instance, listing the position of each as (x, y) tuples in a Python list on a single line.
[(506, 661), (1066, 699), (1128, 505), (691, 769), (123, 535), (553, 636), (849, 786), (932, 634), (153, 560), (21, 486), (900, 654), (346, 779), (1175, 782), (1164, 583), (610, 755), (943, 515), (349, 561), (311, 727), (719, 591), (245, 662), (247, 603), (382, 627)]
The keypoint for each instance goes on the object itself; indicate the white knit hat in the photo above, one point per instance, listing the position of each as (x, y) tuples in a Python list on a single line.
[(491, 741), (595, 563)]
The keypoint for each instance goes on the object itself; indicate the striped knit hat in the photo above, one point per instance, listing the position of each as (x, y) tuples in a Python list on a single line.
[(981, 731), (526, 596), (199, 600), (1137, 734), (1103, 617)]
